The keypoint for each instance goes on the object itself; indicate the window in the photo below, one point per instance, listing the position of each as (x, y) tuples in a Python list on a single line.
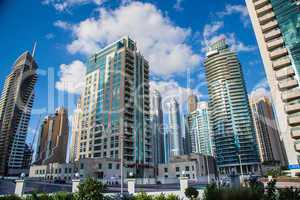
[(187, 168), (109, 166), (118, 166), (99, 166), (81, 166), (193, 168), (166, 170), (177, 169), (166, 176)]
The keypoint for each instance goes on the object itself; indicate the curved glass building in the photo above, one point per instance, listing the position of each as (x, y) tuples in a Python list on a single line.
[(232, 126)]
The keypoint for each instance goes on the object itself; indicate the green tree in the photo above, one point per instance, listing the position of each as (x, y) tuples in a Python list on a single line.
[(90, 189), (271, 193), (191, 193), (289, 194)]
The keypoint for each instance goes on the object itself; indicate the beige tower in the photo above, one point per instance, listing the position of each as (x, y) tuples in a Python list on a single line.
[(268, 139), (53, 138), (192, 103), (275, 23)]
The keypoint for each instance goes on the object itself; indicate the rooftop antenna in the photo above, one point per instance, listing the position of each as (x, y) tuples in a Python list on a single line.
[(34, 47)]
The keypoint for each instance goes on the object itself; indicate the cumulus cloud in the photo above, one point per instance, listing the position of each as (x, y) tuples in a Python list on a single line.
[(236, 9), (213, 32), (261, 89), (63, 25), (171, 89), (63, 5), (161, 42), (72, 77)]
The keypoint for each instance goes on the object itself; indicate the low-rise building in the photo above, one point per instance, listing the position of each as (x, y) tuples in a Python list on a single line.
[(197, 167)]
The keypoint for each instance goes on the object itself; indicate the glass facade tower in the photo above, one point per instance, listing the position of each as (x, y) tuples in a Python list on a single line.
[(116, 108), (232, 125)]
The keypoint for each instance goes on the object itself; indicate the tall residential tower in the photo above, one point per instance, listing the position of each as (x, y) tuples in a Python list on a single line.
[(157, 128), (231, 120), (15, 111), (276, 25), (175, 134), (116, 108)]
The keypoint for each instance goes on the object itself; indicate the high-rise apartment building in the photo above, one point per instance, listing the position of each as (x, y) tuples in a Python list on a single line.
[(15, 111), (157, 123), (268, 139), (175, 134), (116, 108), (230, 113), (27, 158), (275, 23), (192, 103), (198, 132), (76, 124), (52, 143)]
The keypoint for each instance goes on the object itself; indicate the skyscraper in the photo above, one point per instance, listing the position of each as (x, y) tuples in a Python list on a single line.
[(232, 125), (116, 108), (192, 103), (52, 143), (15, 111), (76, 120), (275, 23), (175, 128), (198, 130), (268, 139), (157, 128)]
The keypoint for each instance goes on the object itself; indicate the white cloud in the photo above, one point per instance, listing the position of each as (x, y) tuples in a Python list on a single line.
[(63, 25), (261, 89), (49, 36), (178, 5), (171, 89), (63, 5), (162, 42), (236, 9), (213, 32), (72, 77)]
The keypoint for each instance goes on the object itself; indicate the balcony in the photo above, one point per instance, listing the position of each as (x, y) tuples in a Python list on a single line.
[(260, 3), (290, 95), (294, 121), (295, 134), (297, 147), (275, 43), (264, 10), (287, 84), (278, 53), (272, 34), (285, 73), (290, 109), (269, 26), (281, 63), (266, 18)]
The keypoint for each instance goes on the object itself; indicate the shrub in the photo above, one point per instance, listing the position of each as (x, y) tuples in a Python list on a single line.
[(160, 197), (90, 189), (289, 194), (10, 197), (172, 197), (62, 196), (143, 196), (212, 192), (191, 193), (271, 191)]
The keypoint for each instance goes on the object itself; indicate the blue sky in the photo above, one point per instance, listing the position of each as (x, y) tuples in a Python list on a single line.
[(172, 34)]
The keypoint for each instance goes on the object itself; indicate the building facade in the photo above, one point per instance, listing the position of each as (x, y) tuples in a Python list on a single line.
[(198, 168), (267, 134), (192, 103), (175, 128), (232, 125), (275, 23), (157, 123), (76, 120), (116, 108), (15, 111), (198, 132), (52, 143)]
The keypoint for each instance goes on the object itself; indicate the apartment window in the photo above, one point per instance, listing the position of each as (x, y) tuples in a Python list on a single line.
[(99, 166), (177, 169), (81, 166), (118, 166), (193, 168), (187, 168), (166, 170), (109, 166), (166, 176), (70, 170), (66, 170)]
